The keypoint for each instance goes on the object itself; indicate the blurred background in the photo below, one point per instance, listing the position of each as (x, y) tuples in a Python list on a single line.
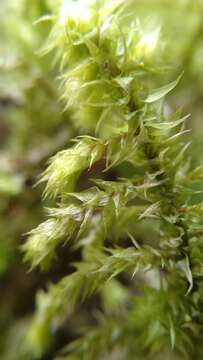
[(34, 126)]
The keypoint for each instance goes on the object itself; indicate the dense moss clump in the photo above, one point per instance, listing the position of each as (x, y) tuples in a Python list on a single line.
[(123, 203)]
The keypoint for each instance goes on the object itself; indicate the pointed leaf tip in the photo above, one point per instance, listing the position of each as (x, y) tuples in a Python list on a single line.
[(164, 90)]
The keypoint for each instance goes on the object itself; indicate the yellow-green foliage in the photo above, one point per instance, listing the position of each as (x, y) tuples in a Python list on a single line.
[(127, 192)]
